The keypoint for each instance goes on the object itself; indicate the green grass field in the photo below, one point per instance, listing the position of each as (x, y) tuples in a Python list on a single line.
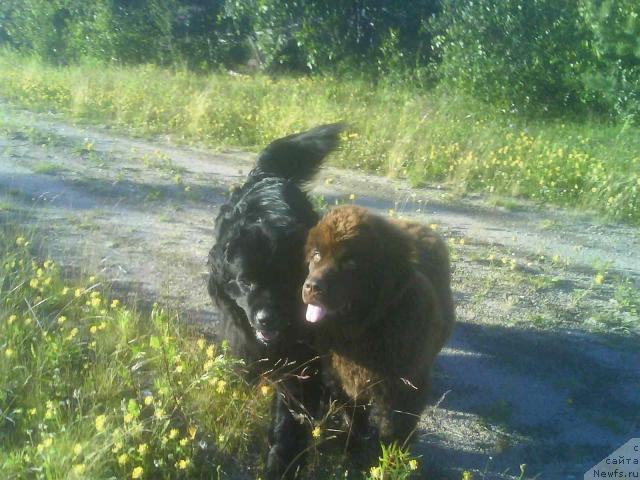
[(396, 129)]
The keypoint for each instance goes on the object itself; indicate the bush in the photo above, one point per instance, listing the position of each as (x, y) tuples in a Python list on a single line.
[(615, 76), (524, 54), (148, 31), (373, 35)]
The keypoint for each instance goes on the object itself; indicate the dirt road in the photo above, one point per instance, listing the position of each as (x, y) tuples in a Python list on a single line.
[(543, 368)]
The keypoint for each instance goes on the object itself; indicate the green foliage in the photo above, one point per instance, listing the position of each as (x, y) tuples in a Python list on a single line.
[(396, 463), (323, 35), (523, 55), (147, 31), (615, 75)]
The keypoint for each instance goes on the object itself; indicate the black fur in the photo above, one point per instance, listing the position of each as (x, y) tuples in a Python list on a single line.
[(257, 268)]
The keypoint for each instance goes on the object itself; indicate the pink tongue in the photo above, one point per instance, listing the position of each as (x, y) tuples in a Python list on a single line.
[(315, 313)]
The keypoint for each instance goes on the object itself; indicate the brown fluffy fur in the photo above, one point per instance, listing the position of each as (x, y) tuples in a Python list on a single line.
[(386, 287)]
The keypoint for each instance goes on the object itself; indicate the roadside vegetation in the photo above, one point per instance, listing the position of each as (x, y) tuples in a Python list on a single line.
[(536, 99), (396, 128)]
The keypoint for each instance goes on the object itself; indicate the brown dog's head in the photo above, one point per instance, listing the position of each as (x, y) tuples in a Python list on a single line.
[(357, 262)]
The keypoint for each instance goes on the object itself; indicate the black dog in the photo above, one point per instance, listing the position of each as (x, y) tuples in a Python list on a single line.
[(257, 268)]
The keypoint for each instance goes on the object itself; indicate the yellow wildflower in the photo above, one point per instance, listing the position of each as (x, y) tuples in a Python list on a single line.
[(221, 386), (78, 292), (34, 283), (192, 432), (95, 302), (93, 329), (201, 343), (148, 400), (77, 449), (39, 273), (116, 447), (11, 319), (375, 472), (143, 448), (352, 197), (413, 464), (159, 413), (137, 472), (122, 459), (183, 464), (599, 279), (210, 351), (115, 303), (21, 241), (173, 433), (265, 389), (315, 433), (467, 475), (65, 290), (100, 421), (79, 468), (128, 418), (184, 441), (9, 353)]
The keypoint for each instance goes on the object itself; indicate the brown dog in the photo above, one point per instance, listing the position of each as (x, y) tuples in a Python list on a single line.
[(379, 293)]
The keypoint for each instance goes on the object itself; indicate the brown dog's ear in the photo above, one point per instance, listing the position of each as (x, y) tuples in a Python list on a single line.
[(393, 266)]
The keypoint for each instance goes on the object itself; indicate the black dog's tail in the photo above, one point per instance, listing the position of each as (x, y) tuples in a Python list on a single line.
[(298, 157)]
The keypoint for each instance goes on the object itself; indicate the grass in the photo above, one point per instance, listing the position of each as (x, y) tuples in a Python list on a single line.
[(93, 388), (46, 168), (396, 129), (90, 388)]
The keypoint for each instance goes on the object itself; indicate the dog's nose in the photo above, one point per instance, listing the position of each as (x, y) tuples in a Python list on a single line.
[(313, 286), (262, 317)]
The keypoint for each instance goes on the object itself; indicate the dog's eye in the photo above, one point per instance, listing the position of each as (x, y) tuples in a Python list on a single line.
[(316, 257)]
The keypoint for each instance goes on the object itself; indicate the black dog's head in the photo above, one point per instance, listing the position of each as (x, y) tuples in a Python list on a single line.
[(261, 238), (257, 263)]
